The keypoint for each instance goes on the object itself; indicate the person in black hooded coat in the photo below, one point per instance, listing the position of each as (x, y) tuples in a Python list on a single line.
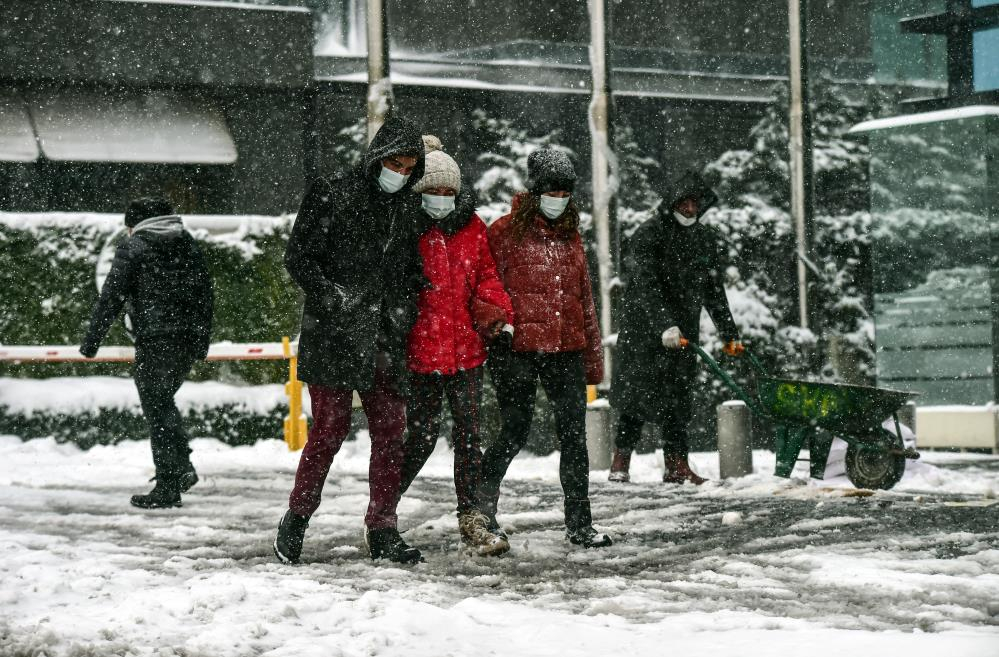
[(353, 252), (674, 268), (160, 274)]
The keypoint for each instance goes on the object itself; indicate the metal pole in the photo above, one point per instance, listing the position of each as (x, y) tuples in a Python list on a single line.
[(800, 149), (379, 82), (603, 161)]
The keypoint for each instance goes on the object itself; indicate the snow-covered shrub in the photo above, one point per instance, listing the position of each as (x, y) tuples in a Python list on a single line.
[(97, 410)]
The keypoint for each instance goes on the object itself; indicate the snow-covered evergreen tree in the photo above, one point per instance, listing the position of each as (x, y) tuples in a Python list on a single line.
[(636, 195), (350, 144), (754, 184)]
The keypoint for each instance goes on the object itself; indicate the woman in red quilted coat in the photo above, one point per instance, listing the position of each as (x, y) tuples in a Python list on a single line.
[(463, 306), (556, 338)]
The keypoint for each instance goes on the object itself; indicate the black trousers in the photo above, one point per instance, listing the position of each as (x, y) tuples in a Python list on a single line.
[(423, 421), (160, 368), (515, 376), (674, 438)]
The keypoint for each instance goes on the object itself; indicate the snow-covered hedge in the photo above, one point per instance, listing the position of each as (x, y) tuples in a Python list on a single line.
[(47, 286), (101, 410), (105, 410)]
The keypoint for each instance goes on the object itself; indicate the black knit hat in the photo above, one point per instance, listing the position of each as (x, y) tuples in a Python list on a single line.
[(143, 208), (550, 170)]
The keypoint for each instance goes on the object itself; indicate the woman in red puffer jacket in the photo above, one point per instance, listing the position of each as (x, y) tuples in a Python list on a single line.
[(556, 338), (463, 306)]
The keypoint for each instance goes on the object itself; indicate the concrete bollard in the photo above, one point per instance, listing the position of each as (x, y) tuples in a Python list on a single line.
[(907, 415), (735, 440), (599, 435)]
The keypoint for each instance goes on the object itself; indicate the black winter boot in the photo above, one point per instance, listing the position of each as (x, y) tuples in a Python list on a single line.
[(388, 544), (165, 494), (291, 534), (188, 477), (579, 525)]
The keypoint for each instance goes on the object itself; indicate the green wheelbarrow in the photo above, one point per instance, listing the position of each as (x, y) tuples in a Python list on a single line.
[(875, 456)]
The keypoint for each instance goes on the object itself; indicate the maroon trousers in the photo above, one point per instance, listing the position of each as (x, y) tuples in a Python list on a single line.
[(385, 409)]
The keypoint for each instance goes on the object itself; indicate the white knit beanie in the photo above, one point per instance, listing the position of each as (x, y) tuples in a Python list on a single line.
[(440, 169)]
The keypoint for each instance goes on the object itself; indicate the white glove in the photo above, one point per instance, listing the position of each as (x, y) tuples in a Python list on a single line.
[(671, 337), (508, 328)]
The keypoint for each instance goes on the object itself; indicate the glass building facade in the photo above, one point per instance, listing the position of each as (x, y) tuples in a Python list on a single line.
[(934, 187)]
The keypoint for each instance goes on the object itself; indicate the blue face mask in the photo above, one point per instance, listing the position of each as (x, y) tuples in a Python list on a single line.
[(391, 181), (438, 207), (553, 206)]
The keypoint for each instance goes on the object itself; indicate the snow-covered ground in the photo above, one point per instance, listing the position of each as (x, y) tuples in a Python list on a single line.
[(755, 566)]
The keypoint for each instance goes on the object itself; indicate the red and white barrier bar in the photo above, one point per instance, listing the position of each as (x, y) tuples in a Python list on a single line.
[(71, 353)]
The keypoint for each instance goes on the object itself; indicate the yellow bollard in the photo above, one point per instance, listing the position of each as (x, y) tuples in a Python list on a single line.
[(591, 394), (296, 426)]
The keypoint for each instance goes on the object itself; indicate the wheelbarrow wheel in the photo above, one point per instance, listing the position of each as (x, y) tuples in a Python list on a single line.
[(874, 465)]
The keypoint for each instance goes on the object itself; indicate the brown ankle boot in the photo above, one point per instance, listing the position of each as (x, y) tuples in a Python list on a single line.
[(619, 468), (678, 471)]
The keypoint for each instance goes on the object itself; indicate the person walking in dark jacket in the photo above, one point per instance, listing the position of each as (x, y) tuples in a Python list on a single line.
[(159, 273), (464, 306), (556, 338), (353, 252), (673, 268)]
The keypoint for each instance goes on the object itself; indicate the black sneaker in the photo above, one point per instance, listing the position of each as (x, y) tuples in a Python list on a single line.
[(291, 534), (579, 525), (494, 527), (162, 496), (588, 537), (388, 544)]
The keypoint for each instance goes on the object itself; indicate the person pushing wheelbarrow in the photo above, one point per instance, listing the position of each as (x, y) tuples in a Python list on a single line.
[(673, 268)]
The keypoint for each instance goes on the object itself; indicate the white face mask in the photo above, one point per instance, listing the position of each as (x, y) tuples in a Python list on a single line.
[(391, 181), (553, 206), (684, 221), (438, 207)]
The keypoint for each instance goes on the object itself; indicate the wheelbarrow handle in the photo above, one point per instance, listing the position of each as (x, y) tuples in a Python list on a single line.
[(755, 362), (725, 377), (740, 350)]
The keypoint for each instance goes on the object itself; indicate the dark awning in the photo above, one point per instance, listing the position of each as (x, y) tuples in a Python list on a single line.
[(17, 139), (165, 127)]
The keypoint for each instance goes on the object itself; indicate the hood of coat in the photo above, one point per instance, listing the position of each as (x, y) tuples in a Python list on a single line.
[(167, 227), (464, 208), (690, 185), (397, 136)]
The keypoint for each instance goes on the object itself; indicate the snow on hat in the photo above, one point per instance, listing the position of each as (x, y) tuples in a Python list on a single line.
[(550, 170), (440, 169)]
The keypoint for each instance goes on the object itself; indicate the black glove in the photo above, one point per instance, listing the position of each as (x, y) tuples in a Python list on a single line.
[(502, 343)]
